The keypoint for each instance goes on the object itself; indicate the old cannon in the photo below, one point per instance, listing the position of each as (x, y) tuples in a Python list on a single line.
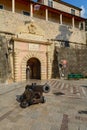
[(33, 94)]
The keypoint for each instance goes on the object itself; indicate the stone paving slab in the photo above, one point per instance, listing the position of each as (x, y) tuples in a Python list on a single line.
[(64, 108)]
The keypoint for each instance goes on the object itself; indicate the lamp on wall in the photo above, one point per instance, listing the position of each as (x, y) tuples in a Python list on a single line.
[(9, 51)]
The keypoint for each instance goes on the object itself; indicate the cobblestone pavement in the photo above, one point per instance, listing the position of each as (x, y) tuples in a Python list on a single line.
[(65, 107)]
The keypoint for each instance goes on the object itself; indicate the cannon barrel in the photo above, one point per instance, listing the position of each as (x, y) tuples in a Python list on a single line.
[(40, 88), (33, 94)]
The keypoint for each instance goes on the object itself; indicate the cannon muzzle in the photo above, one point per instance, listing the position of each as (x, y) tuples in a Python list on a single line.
[(46, 88), (40, 88)]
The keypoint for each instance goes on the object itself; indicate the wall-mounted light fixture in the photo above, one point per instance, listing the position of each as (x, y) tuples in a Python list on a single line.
[(9, 51)]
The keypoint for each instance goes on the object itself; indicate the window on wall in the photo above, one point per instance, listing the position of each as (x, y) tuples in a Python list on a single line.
[(1, 7), (26, 13), (65, 44), (40, 1), (73, 11), (50, 3)]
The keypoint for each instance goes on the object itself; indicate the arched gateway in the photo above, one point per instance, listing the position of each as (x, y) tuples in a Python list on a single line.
[(36, 64), (33, 70), (31, 51)]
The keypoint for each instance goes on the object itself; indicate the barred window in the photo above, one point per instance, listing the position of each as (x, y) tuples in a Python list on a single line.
[(50, 3), (73, 11)]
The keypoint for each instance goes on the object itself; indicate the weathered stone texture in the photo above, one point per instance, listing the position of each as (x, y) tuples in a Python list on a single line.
[(4, 59), (76, 60), (11, 22), (52, 29)]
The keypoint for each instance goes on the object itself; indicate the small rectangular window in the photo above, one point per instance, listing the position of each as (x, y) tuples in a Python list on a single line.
[(1, 7), (50, 3), (65, 44), (40, 1), (73, 11), (26, 13)]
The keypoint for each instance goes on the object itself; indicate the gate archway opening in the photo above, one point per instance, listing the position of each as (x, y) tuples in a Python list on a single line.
[(33, 69)]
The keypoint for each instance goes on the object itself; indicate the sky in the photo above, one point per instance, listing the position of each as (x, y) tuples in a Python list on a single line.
[(81, 4)]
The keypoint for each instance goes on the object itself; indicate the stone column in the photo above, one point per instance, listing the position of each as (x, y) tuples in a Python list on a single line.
[(46, 14), (16, 67), (31, 10), (84, 26), (79, 25), (13, 6), (61, 19), (73, 22), (49, 69)]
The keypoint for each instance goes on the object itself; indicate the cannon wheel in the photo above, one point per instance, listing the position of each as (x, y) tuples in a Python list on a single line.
[(24, 104), (43, 99)]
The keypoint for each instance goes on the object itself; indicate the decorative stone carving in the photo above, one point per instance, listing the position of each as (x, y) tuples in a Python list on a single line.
[(30, 28)]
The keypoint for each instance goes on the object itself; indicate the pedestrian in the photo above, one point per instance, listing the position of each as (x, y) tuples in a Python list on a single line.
[(28, 72)]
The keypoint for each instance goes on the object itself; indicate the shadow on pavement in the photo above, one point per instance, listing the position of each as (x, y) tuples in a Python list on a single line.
[(58, 93), (82, 112), (85, 86)]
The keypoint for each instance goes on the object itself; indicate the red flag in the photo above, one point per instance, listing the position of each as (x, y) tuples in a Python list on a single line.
[(36, 7)]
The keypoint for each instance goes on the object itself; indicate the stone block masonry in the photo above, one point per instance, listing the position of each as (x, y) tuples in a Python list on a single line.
[(4, 59)]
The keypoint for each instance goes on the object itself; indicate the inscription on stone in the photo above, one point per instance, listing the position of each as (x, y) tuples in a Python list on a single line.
[(34, 47)]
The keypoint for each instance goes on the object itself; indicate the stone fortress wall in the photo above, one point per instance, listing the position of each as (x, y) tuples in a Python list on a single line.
[(9, 28), (52, 29)]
